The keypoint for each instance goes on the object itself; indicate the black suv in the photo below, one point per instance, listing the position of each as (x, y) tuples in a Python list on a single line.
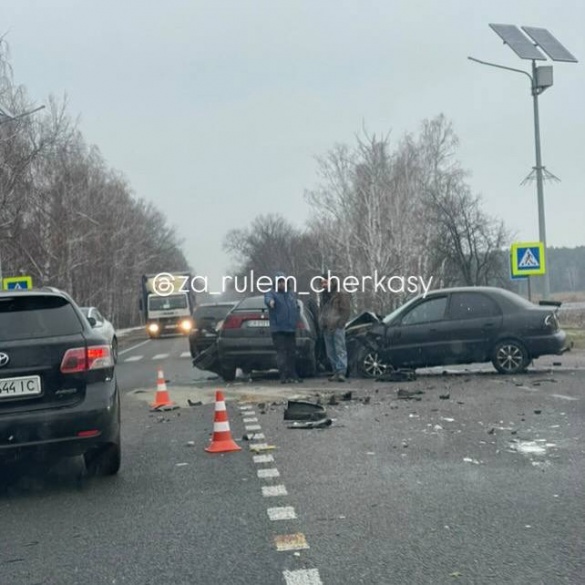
[(58, 391)]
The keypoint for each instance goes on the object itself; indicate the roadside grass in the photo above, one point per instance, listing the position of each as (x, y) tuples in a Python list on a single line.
[(577, 336)]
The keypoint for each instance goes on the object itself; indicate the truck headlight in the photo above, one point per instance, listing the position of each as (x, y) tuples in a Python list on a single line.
[(153, 328), (186, 325)]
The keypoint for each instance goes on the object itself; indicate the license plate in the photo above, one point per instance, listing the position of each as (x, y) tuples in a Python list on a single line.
[(25, 386), (258, 323)]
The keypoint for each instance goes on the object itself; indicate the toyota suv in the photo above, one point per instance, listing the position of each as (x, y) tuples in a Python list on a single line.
[(58, 391)]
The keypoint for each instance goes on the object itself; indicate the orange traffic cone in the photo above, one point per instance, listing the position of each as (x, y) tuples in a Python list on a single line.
[(162, 398), (222, 441)]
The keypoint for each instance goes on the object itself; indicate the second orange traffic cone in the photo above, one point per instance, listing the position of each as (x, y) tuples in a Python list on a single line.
[(222, 441), (162, 398)]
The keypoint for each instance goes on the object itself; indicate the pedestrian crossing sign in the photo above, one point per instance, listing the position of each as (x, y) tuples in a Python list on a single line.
[(16, 283), (528, 259)]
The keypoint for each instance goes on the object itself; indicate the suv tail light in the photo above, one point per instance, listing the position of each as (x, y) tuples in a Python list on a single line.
[(81, 359)]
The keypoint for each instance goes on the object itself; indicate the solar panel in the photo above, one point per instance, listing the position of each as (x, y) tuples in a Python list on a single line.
[(544, 39), (520, 44)]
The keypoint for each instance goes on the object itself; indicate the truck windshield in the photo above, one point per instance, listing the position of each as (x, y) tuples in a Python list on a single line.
[(158, 303)]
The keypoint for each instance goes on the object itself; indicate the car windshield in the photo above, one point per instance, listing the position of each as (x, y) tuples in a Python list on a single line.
[(391, 316), (160, 303)]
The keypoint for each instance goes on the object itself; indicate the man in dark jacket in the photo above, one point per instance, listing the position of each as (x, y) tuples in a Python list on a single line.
[(335, 309), (284, 314)]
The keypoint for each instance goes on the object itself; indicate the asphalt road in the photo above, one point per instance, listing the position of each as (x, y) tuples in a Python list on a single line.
[(483, 487)]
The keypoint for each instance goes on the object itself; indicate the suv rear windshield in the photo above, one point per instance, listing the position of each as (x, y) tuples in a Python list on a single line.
[(26, 317), (216, 312)]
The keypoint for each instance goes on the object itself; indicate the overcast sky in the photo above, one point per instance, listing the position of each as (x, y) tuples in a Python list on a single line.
[(215, 110)]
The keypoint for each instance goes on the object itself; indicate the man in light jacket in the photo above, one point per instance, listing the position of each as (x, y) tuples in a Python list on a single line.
[(335, 309)]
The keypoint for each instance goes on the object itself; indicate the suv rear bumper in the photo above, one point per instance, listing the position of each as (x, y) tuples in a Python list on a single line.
[(55, 432)]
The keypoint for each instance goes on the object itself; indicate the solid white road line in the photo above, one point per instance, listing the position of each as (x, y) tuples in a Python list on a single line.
[(160, 356), (253, 427), (133, 347), (263, 459), (269, 491), (284, 513), (302, 577), (134, 358), (266, 473)]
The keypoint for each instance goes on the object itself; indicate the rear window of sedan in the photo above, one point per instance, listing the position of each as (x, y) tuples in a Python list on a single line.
[(27, 317), (216, 312)]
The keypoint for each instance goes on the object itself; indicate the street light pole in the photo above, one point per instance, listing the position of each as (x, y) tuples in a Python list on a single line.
[(539, 178), (536, 89)]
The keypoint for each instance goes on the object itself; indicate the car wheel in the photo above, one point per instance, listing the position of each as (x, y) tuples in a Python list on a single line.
[(370, 365), (510, 357), (308, 367), (104, 461), (115, 350), (228, 373)]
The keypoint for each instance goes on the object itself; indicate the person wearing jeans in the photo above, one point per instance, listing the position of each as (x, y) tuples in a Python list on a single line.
[(284, 315), (335, 308)]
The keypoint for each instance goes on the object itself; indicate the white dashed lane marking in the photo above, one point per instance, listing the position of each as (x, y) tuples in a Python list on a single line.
[(186, 354), (283, 542), (270, 491), (302, 577), (268, 473), (563, 397), (286, 542), (263, 459), (160, 356), (283, 513), (134, 358)]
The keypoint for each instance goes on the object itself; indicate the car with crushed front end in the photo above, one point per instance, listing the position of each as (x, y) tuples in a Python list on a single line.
[(453, 326), (58, 391)]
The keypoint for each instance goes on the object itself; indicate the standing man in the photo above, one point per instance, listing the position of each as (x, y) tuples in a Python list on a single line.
[(335, 310), (284, 314)]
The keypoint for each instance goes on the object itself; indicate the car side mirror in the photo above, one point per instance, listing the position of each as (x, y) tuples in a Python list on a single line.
[(92, 321)]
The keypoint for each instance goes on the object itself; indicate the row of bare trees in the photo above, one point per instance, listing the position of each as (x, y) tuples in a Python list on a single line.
[(66, 218), (403, 209)]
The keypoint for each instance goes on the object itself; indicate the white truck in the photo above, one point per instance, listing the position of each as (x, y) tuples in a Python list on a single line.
[(170, 313)]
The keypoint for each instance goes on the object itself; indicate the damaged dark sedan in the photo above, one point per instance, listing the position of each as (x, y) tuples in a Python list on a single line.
[(457, 326)]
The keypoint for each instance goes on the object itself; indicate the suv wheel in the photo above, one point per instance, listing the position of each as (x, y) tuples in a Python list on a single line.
[(510, 357), (105, 461), (228, 373)]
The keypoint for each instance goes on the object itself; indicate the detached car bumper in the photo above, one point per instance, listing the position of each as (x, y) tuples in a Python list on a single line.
[(66, 431)]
